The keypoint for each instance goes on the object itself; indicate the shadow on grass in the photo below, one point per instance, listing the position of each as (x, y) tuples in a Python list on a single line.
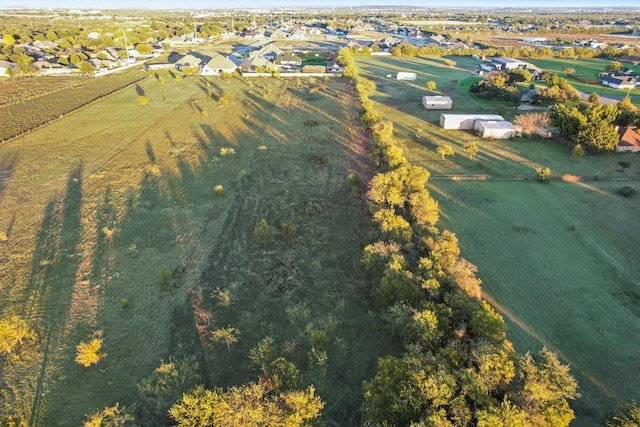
[(52, 279)]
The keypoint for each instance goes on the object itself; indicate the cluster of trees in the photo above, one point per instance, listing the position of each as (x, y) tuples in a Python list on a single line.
[(593, 126), (501, 85), (558, 89), (456, 366)]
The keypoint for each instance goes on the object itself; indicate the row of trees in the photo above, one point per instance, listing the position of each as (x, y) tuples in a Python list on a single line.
[(456, 366), (594, 126)]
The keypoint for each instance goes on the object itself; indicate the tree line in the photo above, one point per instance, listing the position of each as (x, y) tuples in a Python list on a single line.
[(456, 366)]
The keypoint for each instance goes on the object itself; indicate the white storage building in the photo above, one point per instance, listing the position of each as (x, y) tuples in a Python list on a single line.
[(437, 102), (496, 129), (464, 121), (406, 76)]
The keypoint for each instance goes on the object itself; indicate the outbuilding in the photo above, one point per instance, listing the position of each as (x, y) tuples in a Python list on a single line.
[(406, 76), (464, 121), (437, 102), (495, 129)]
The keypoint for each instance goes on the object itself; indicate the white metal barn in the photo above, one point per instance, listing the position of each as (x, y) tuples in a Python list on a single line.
[(437, 102), (464, 121), (406, 76), (495, 129)]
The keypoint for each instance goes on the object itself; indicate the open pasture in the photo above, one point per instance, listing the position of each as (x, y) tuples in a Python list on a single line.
[(559, 261), (127, 220)]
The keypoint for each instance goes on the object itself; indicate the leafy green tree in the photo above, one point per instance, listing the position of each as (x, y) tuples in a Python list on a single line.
[(615, 66), (86, 68), (519, 75), (543, 174), (263, 233), (594, 98), (607, 113), (170, 380), (288, 232), (445, 150), (569, 121), (471, 148), (247, 405), (88, 353), (52, 36), (228, 335), (113, 416), (8, 38), (14, 331), (578, 151), (599, 135), (394, 227), (505, 415), (546, 387), (431, 85), (144, 48), (628, 416)]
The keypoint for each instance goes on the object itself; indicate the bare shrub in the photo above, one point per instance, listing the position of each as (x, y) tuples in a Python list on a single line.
[(535, 123)]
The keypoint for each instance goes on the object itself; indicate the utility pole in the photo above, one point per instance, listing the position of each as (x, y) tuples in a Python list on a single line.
[(125, 44)]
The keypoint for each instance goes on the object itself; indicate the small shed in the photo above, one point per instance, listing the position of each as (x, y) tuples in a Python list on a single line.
[(495, 129), (464, 121), (406, 76), (437, 102)]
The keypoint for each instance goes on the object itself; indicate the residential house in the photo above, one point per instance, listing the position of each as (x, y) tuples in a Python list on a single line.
[(6, 67), (254, 34), (269, 51), (288, 60), (629, 139), (278, 35), (218, 65), (334, 67), (379, 46), (188, 61), (255, 63), (528, 96), (354, 46), (621, 82), (156, 50), (46, 67), (298, 34)]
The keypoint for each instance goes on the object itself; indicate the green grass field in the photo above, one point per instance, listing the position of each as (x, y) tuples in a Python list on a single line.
[(589, 68), (558, 260), (96, 204)]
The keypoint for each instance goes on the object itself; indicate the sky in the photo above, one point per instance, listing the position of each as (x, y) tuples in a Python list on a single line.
[(200, 4)]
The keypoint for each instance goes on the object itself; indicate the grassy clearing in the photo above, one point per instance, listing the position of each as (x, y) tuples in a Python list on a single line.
[(558, 260), (112, 224)]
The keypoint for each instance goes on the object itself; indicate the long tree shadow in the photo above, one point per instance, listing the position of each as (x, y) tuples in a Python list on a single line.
[(51, 283), (7, 166)]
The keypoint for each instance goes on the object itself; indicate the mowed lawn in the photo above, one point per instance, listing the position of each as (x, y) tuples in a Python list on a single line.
[(558, 260), (97, 204)]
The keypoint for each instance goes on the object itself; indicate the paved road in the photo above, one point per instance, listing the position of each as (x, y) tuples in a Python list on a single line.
[(608, 100)]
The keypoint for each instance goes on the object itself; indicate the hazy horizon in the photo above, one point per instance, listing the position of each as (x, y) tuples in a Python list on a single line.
[(255, 4)]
